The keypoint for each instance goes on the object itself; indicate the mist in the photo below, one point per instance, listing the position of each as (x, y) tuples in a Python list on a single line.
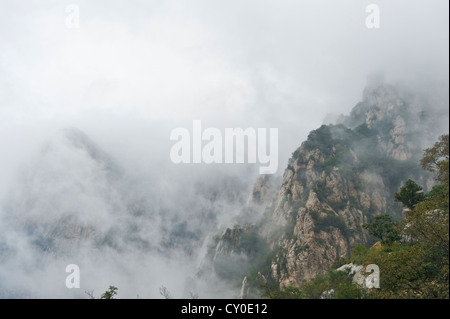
[(129, 73)]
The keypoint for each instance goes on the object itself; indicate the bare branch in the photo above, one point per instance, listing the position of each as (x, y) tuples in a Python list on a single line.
[(165, 292), (90, 294)]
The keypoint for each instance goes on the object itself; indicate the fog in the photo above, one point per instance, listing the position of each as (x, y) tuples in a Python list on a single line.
[(125, 74)]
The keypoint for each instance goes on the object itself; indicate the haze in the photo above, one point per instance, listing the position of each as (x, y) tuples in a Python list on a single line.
[(135, 70)]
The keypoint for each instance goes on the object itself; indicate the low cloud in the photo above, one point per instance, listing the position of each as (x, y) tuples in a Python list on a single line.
[(133, 72)]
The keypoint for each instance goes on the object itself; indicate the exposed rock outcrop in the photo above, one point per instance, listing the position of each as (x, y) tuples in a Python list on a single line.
[(338, 180)]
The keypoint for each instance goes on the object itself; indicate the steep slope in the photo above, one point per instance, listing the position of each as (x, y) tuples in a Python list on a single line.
[(74, 195), (338, 180), (74, 202)]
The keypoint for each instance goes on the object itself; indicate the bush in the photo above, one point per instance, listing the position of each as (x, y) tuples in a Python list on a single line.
[(324, 223), (320, 139), (359, 254), (322, 190), (383, 228), (364, 131)]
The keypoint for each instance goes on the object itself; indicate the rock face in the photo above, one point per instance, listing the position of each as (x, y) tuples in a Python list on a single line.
[(72, 196), (360, 275), (263, 191), (338, 180), (356, 271), (235, 251), (230, 242), (244, 289)]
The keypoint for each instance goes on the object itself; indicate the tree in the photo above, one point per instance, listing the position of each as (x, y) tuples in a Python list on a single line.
[(110, 293), (429, 222), (165, 292), (417, 267), (410, 195), (435, 159), (274, 292), (407, 272), (383, 228)]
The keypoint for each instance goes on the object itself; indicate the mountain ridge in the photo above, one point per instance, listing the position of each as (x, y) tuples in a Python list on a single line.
[(338, 180)]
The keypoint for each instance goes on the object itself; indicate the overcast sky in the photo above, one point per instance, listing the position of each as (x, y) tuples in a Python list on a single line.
[(284, 64)]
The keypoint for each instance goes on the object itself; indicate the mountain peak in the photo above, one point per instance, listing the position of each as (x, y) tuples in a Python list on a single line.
[(339, 179), (80, 140)]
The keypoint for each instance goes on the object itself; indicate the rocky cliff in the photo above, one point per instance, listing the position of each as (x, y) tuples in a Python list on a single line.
[(335, 182)]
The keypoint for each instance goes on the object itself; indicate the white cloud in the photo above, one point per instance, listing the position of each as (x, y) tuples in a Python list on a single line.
[(135, 70)]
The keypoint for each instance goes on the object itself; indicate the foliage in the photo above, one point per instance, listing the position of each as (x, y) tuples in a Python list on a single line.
[(251, 242), (110, 293), (359, 254), (413, 254), (337, 205), (320, 139), (339, 281), (436, 158), (272, 291), (336, 150), (329, 163), (349, 290), (428, 224), (383, 128), (383, 228), (301, 249), (364, 131), (322, 190), (325, 222), (410, 194), (438, 192), (408, 271), (230, 267), (419, 266)]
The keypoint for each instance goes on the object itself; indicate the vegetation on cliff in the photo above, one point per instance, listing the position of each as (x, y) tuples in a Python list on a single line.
[(412, 254)]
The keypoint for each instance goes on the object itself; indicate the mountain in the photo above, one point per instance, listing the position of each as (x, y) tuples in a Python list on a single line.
[(72, 195), (339, 179), (73, 202)]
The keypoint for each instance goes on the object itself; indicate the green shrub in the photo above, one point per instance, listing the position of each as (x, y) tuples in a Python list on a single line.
[(322, 190), (320, 139), (324, 223)]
